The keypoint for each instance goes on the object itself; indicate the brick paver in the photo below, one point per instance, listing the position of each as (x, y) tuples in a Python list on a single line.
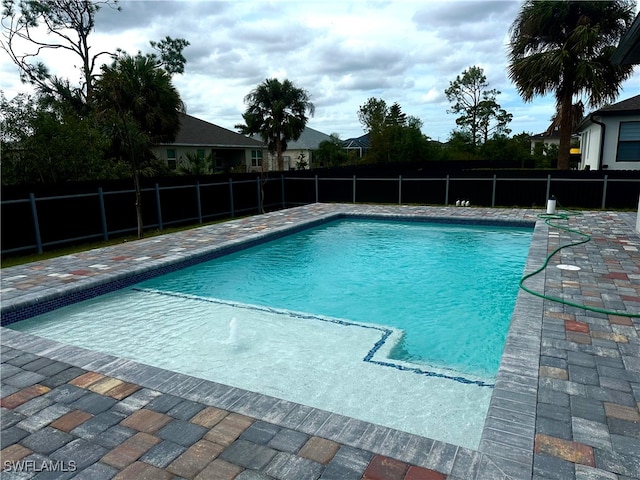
[(566, 403)]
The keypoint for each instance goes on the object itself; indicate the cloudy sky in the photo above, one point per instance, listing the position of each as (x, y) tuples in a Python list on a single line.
[(341, 52)]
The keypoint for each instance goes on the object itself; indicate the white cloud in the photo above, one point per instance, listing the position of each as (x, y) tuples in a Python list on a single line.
[(341, 52)]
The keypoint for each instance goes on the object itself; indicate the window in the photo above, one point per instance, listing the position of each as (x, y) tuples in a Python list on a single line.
[(256, 158), (201, 153), (171, 158), (629, 142)]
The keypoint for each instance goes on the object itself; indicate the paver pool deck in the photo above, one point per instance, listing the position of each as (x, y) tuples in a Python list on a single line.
[(566, 402)]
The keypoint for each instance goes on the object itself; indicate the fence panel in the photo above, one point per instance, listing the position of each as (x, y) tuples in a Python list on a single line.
[(87, 213), (179, 205), (64, 217), (478, 191), (424, 191), (335, 190), (377, 190), (521, 192), (17, 226), (245, 197), (299, 190), (620, 196), (215, 200)]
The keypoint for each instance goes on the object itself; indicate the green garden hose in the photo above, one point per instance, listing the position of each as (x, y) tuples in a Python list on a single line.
[(585, 238)]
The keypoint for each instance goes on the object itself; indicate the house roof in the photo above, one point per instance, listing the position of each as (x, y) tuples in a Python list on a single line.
[(309, 140), (628, 51), (363, 142), (630, 106), (547, 135), (196, 132)]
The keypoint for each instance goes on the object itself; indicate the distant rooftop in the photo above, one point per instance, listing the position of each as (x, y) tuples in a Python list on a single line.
[(196, 132)]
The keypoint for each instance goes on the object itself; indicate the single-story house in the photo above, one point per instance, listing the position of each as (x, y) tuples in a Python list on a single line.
[(611, 137), (299, 153), (229, 150)]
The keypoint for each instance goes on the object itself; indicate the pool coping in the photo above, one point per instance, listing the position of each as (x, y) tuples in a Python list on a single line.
[(511, 419)]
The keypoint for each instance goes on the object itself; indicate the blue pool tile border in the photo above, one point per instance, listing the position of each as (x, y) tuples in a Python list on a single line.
[(385, 333)]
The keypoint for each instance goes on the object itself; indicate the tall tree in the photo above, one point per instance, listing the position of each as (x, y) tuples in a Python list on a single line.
[(68, 25), (396, 116), (479, 111), (373, 115), (330, 152), (565, 48), (43, 140), (277, 111), (139, 107)]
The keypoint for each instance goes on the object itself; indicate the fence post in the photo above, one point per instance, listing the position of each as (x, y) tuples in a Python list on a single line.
[(316, 188), (493, 192), (198, 200), (399, 189), (259, 195), (548, 189), (354, 189), (231, 197), (284, 205), (36, 224), (446, 192), (159, 207), (103, 215), (604, 192)]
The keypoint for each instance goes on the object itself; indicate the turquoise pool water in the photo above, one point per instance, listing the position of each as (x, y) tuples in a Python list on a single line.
[(450, 288)]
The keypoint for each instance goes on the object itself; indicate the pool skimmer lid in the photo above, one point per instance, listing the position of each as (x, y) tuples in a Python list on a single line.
[(564, 266)]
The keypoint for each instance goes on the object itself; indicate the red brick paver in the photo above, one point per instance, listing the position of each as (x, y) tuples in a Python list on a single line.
[(195, 459), (143, 471), (420, 473), (385, 468), (228, 429), (147, 421), (571, 451), (130, 450), (23, 396), (71, 420), (319, 450), (219, 470)]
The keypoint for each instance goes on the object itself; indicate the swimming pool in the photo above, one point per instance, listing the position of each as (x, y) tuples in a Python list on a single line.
[(248, 353)]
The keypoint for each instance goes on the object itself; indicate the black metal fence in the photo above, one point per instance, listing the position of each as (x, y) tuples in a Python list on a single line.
[(33, 221)]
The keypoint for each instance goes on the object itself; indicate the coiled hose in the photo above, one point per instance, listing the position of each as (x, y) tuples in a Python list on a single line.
[(548, 218)]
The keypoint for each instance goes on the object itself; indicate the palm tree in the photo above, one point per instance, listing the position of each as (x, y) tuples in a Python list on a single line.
[(139, 107), (565, 47), (277, 111)]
